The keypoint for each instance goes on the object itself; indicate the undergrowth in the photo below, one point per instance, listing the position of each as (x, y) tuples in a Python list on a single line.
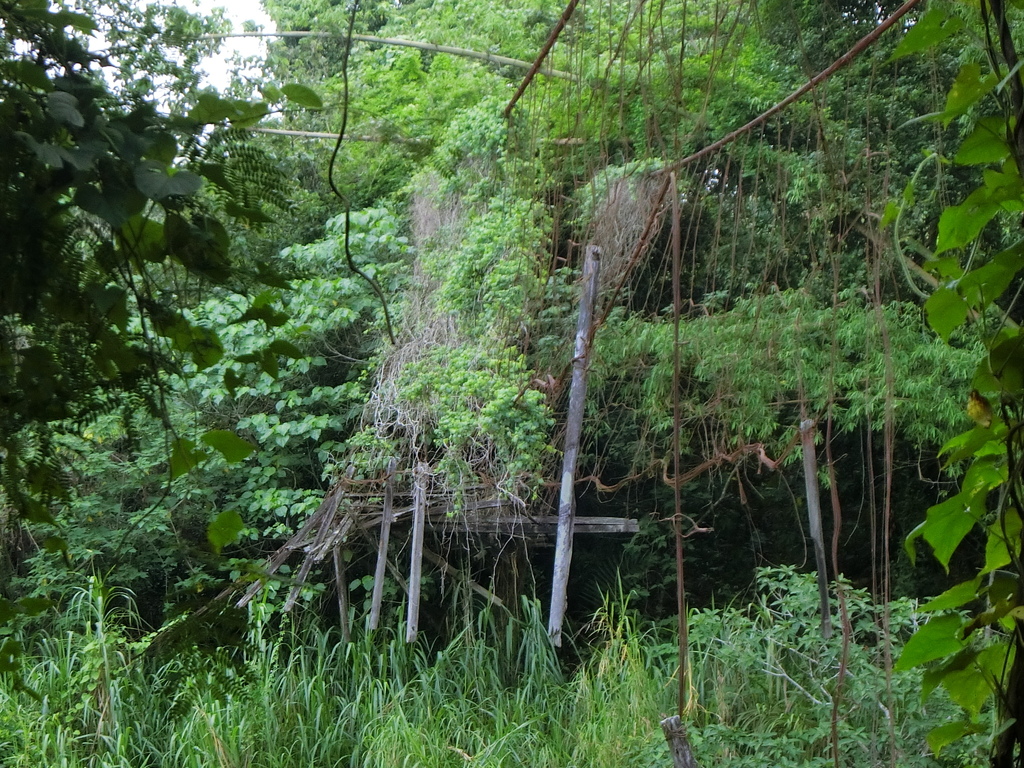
[(496, 695)]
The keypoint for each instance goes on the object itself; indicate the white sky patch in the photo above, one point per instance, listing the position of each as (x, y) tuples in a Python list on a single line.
[(218, 69)]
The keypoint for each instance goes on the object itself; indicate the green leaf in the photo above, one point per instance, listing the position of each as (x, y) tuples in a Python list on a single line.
[(945, 527), (185, 457), (968, 88), (946, 734), (954, 597), (231, 381), (31, 74), (271, 317), (302, 95), (253, 215), (224, 529), (892, 210), (931, 29), (285, 349), (1006, 365), (115, 205), (156, 182), (938, 638), (946, 311), (969, 688), (233, 448), (986, 144), (997, 553), (33, 606), (978, 441), (961, 224), (63, 107)]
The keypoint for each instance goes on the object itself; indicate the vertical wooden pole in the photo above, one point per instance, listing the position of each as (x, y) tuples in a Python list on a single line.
[(682, 619), (573, 429), (386, 519), (814, 520), (341, 585), (419, 519)]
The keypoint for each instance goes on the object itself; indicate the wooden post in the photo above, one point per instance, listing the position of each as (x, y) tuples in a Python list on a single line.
[(675, 735), (341, 585), (382, 546), (814, 520), (573, 429), (419, 520)]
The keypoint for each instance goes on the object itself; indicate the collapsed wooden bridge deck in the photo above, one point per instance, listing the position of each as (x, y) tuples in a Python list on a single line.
[(364, 511)]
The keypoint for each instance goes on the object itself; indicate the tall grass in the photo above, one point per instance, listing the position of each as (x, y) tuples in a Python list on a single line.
[(494, 696)]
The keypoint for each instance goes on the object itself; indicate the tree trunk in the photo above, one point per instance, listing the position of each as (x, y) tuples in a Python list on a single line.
[(814, 521), (678, 743)]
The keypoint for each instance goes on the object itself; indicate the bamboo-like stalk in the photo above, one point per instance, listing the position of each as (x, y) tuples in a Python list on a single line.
[(573, 429), (491, 58)]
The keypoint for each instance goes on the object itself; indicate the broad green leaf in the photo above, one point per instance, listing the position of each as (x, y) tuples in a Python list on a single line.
[(163, 148), (233, 448), (968, 88), (954, 597), (63, 107), (938, 638), (944, 735), (224, 529), (986, 144), (115, 205), (997, 553), (185, 457), (932, 28), (961, 224), (946, 311), (944, 528), (253, 215), (155, 181), (231, 381), (33, 606), (31, 74), (144, 238), (892, 210), (271, 317), (302, 95), (285, 349), (970, 444), (969, 688), (1006, 365)]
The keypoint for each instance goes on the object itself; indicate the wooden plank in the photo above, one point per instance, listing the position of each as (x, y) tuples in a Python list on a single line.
[(573, 429), (387, 516), (547, 524), (419, 519)]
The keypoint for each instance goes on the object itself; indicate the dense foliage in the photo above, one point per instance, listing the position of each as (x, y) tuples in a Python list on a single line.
[(208, 318)]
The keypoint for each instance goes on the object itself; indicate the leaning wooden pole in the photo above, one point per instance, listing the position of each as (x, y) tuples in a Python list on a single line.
[(814, 520), (573, 429), (386, 519), (419, 521)]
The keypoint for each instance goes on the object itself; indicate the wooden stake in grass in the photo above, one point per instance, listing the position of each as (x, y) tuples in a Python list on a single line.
[(573, 429), (387, 517)]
